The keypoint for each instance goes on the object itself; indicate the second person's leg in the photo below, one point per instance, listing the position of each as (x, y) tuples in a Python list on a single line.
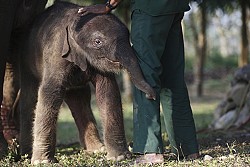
[(173, 82)]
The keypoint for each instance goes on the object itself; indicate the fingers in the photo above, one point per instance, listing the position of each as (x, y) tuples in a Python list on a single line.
[(82, 11), (150, 97)]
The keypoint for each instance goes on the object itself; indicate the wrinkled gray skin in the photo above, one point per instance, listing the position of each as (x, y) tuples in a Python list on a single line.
[(65, 53)]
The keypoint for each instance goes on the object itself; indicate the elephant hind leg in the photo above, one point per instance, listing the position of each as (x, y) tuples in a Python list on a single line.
[(28, 99), (78, 101)]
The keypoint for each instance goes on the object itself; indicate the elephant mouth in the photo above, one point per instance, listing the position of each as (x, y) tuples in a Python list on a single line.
[(116, 63)]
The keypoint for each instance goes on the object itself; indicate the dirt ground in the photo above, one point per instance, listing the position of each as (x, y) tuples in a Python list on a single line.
[(224, 142)]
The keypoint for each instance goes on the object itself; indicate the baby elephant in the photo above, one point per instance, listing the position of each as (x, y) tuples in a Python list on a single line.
[(63, 54)]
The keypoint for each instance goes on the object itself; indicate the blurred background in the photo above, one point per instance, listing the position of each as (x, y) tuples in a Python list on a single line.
[(216, 34)]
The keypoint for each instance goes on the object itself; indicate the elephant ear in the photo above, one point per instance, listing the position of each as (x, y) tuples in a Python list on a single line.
[(73, 52)]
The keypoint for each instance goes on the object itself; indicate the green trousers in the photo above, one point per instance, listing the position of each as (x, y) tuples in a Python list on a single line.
[(158, 42)]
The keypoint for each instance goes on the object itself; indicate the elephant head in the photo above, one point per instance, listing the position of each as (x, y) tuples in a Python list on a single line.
[(103, 42)]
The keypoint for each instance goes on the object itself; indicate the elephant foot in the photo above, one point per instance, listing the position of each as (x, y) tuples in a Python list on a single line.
[(41, 156), (37, 161), (102, 149), (3, 146), (119, 157), (97, 148), (10, 129), (11, 136)]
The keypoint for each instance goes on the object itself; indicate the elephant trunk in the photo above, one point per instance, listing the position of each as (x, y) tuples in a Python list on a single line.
[(129, 61)]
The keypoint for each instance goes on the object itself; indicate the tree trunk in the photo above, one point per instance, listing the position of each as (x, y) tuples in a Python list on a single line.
[(200, 44), (243, 58)]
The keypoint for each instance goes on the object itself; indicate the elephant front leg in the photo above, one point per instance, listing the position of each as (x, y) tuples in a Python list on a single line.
[(8, 124), (78, 101), (109, 102), (50, 97), (9, 111)]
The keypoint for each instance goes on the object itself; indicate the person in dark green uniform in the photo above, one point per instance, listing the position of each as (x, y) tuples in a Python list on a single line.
[(157, 39)]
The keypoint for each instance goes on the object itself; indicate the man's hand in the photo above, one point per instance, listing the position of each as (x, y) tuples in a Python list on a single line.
[(96, 9)]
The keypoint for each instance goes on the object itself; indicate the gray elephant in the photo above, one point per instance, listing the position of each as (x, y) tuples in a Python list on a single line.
[(64, 53), (15, 18)]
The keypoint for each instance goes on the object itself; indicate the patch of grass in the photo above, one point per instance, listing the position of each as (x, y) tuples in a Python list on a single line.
[(67, 132), (220, 155), (203, 114)]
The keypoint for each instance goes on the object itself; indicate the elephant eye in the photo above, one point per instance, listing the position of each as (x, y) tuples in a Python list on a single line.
[(97, 43)]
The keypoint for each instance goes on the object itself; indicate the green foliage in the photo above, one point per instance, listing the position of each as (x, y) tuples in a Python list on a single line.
[(189, 64), (215, 61), (224, 5)]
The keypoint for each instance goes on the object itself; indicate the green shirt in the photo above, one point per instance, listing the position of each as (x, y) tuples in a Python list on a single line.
[(160, 7)]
